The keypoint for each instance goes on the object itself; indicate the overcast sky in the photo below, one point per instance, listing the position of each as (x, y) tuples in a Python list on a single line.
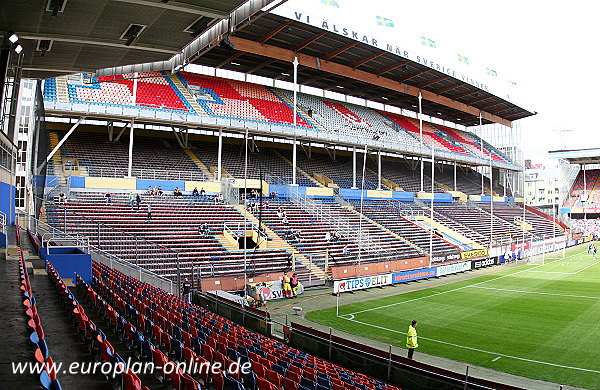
[(547, 47)]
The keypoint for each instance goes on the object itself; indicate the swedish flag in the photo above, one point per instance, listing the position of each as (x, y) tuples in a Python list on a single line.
[(492, 72), (332, 3), (384, 22), (463, 59), (428, 42)]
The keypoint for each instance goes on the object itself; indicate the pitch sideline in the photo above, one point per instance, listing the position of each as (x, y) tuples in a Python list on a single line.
[(460, 288)]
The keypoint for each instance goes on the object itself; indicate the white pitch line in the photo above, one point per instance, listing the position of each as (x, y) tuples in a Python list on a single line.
[(496, 358), (583, 269), (452, 290), (460, 288), (536, 292), (482, 350)]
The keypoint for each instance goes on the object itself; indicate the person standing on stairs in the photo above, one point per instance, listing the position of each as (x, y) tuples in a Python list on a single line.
[(131, 199)]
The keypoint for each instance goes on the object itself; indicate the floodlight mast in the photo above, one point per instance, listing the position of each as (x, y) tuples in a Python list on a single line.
[(295, 151), (421, 136)]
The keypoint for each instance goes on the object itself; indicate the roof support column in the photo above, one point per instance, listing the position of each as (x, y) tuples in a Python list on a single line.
[(431, 206), (481, 151), (130, 162), (220, 155), (491, 208), (295, 62), (294, 161), (421, 137), (62, 141), (379, 169), (454, 175), (584, 197), (354, 167)]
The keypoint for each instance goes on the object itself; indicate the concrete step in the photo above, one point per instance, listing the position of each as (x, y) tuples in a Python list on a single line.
[(300, 170), (199, 163), (187, 95), (279, 243)]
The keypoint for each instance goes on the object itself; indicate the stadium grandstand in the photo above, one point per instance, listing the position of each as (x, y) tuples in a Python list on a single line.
[(580, 207), (166, 179)]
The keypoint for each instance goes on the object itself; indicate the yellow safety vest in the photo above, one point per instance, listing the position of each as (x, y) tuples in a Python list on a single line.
[(411, 337)]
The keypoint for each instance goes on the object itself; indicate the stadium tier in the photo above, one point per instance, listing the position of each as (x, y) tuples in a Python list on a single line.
[(225, 98), (238, 99), (152, 157), (586, 226), (314, 235), (397, 218), (540, 226), (263, 161), (159, 158), (339, 171), (585, 190), (149, 89), (170, 328), (174, 226), (479, 220)]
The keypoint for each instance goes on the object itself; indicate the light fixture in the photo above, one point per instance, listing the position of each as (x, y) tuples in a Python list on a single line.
[(384, 98), (132, 33), (339, 86), (457, 119), (12, 37), (284, 74), (235, 63), (414, 106), (439, 113), (18, 49), (227, 44)]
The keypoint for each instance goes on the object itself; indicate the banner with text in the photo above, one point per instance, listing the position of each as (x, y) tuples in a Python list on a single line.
[(341, 286), (446, 257), (407, 276), (453, 268), (483, 263), (473, 254)]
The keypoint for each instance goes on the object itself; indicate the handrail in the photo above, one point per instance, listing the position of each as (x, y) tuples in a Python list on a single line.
[(105, 226), (167, 118), (40, 228), (139, 173)]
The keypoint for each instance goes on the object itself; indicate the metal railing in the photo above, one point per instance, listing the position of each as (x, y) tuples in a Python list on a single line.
[(137, 250), (53, 234), (342, 224), (138, 173), (391, 144)]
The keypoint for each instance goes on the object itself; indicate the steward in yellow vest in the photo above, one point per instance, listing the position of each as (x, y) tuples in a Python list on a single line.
[(411, 339)]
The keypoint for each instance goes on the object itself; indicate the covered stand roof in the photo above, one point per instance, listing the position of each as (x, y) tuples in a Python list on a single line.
[(110, 36), (577, 156), (330, 61), (62, 36)]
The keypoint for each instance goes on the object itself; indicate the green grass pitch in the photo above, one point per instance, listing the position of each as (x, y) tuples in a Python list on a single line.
[(538, 321)]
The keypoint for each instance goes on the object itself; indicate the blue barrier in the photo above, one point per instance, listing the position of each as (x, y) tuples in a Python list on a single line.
[(77, 182), (403, 196), (167, 185), (69, 261), (349, 193), (407, 276)]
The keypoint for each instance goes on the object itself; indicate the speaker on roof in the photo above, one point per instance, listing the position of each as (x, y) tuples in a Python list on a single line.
[(226, 44)]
